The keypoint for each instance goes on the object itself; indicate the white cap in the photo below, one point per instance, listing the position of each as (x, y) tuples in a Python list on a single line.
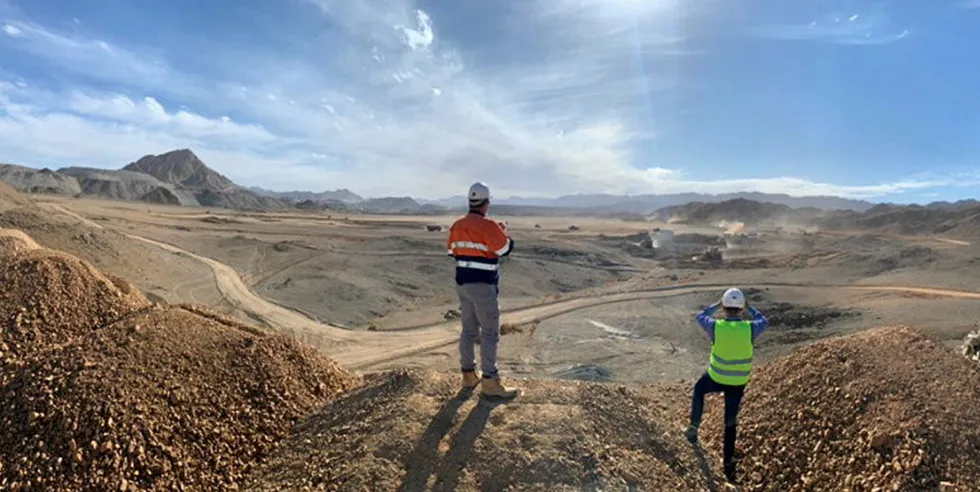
[(733, 298), (478, 192)]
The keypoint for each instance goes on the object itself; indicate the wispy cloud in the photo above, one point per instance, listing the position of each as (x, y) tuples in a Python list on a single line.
[(92, 59), (393, 103), (12, 31), (857, 28), (970, 4)]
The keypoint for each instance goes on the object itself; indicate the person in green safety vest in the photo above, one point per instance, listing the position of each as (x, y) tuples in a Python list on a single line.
[(732, 343)]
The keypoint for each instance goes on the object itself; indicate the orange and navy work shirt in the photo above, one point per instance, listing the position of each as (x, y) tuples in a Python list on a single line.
[(477, 243)]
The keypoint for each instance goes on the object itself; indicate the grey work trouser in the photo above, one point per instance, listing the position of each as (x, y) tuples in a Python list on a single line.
[(480, 314)]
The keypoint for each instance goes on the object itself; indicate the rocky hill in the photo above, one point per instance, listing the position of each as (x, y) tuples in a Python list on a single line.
[(962, 220), (742, 210), (128, 185), (30, 180), (178, 177), (182, 167), (391, 205)]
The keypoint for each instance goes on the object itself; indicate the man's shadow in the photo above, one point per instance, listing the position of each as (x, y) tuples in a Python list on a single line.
[(421, 464), (705, 467)]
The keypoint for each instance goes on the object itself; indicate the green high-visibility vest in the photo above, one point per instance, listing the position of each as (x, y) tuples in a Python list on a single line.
[(731, 353)]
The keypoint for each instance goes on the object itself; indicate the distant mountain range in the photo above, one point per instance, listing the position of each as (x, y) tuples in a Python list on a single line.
[(342, 195), (179, 177), (645, 204)]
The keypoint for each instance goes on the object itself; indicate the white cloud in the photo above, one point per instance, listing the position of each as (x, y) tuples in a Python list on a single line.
[(970, 4), (393, 110), (420, 36), (125, 116), (12, 31)]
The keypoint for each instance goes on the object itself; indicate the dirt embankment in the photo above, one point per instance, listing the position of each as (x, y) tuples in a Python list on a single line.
[(50, 298), (411, 431), (885, 409), (854, 413), (102, 391)]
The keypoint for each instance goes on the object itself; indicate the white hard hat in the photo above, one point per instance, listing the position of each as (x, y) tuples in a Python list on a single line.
[(478, 192), (733, 298)]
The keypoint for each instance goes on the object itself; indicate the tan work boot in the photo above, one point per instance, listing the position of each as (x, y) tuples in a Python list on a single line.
[(493, 389), (471, 379)]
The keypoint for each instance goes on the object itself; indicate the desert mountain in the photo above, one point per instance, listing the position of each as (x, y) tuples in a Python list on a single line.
[(644, 204), (182, 167), (177, 177), (30, 180), (391, 204), (184, 170), (128, 185), (956, 221), (341, 195), (743, 210)]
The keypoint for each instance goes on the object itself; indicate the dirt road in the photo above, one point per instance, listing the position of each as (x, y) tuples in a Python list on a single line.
[(364, 349), (65, 211), (897, 237)]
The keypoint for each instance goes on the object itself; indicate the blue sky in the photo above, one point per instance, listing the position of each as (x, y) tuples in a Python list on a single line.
[(535, 97)]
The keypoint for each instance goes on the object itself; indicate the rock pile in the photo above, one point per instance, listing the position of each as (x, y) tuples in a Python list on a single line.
[(971, 346), (50, 298), (886, 409), (99, 390)]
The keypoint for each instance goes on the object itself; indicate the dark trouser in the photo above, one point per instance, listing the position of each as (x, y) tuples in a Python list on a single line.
[(733, 398)]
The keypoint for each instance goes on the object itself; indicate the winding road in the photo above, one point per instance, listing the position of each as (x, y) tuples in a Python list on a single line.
[(364, 349)]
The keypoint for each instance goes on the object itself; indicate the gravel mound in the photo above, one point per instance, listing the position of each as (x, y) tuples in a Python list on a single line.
[(100, 390), (410, 431), (885, 409), (13, 241), (50, 298), (165, 399)]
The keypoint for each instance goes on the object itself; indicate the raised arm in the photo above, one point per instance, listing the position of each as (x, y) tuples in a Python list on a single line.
[(759, 322), (705, 320)]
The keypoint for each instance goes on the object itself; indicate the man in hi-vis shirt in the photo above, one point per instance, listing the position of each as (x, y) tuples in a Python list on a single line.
[(477, 243)]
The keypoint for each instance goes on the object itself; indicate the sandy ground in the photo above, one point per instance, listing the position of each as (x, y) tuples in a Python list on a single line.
[(371, 291)]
